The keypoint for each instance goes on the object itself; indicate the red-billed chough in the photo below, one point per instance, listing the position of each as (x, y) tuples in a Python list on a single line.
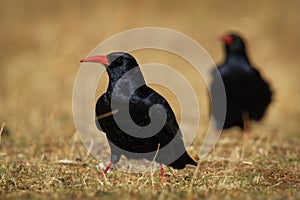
[(138, 122), (248, 94)]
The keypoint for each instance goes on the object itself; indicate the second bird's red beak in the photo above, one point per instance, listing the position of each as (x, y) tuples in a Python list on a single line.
[(96, 59), (227, 39)]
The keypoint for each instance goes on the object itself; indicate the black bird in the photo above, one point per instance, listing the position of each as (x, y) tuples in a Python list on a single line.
[(248, 94), (138, 122)]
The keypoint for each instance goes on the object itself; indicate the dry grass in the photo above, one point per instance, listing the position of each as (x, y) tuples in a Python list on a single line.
[(233, 170), (41, 45)]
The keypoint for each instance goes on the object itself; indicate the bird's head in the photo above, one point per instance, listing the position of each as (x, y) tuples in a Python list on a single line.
[(233, 43), (116, 64)]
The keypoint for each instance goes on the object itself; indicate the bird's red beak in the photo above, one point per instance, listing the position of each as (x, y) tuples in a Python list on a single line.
[(96, 59), (227, 39)]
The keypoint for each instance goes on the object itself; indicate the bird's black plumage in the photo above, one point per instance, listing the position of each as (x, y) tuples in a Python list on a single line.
[(127, 90), (246, 91)]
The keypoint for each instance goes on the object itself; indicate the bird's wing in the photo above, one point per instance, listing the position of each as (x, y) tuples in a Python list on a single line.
[(261, 96), (169, 136), (143, 100)]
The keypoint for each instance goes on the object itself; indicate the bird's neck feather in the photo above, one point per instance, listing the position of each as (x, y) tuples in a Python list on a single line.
[(237, 55), (125, 84)]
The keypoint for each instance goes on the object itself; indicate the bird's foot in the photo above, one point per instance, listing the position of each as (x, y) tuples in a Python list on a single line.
[(163, 179)]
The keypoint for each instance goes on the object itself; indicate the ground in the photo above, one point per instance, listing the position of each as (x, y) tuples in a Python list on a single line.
[(41, 155)]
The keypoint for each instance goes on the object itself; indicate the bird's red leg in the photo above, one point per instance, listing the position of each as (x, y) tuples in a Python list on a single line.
[(106, 169), (246, 129), (162, 173)]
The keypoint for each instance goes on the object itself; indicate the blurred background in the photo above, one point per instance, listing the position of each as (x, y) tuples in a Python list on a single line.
[(41, 43)]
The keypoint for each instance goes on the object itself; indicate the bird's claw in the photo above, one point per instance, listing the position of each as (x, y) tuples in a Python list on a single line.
[(163, 179)]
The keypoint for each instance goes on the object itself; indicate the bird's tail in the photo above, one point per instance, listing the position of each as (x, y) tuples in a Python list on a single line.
[(190, 160), (183, 160)]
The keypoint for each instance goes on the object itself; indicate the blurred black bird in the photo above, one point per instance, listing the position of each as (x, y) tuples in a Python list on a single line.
[(248, 94), (138, 122)]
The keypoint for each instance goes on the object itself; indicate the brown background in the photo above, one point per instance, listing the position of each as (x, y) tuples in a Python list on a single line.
[(43, 41)]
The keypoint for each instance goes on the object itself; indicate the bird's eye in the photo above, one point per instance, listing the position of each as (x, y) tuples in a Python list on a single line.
[(119, 60)]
